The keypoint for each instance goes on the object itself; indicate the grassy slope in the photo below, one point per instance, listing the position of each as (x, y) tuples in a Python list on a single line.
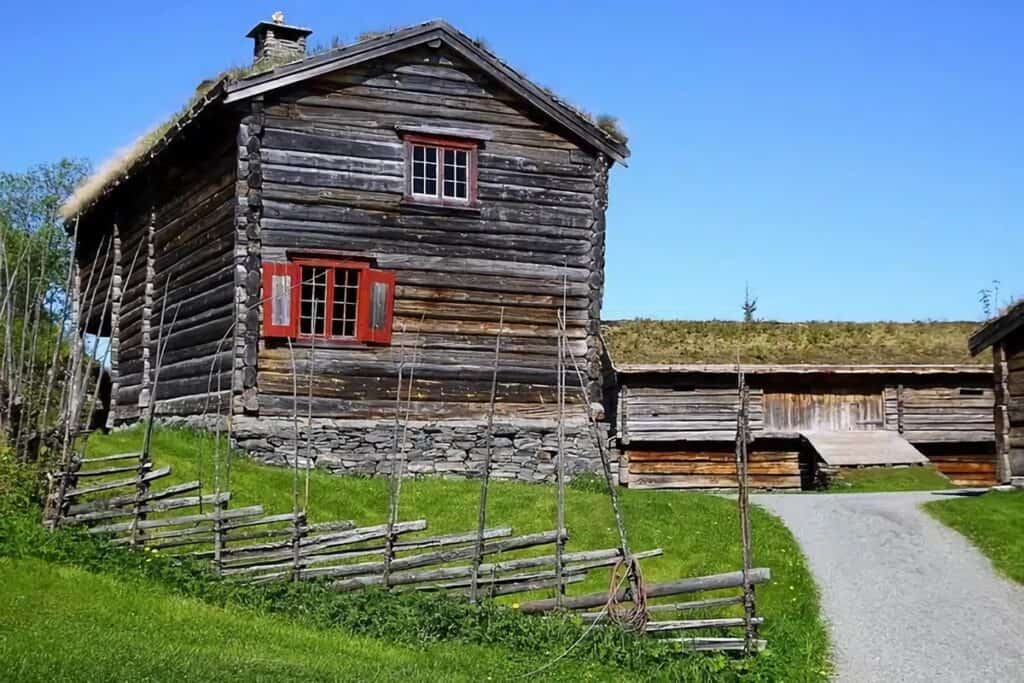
[(993, 522), (715, 341), (699, 533), (876, 479), (109, 629)]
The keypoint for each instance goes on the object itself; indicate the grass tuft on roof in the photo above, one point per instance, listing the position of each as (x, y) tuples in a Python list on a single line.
[(123, 160), (719, 341)]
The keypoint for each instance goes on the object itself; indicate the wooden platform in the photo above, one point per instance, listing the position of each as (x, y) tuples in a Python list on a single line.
[(862, 448)]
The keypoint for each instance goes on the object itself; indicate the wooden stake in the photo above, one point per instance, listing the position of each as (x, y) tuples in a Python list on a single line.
[(389, 541), (560, 463), (742, 459), (481, 520)]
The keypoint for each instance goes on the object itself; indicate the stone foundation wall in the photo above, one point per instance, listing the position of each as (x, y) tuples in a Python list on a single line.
[(522, 451)]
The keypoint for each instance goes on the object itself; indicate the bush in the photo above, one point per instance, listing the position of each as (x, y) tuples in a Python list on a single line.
[(20, 484)]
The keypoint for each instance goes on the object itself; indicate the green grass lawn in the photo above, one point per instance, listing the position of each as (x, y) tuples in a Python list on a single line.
[(63, 623), (699, 533), (879, 479), (994, 522)]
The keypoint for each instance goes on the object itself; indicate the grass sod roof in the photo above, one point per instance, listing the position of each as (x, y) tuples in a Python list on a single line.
[(717, 342), (1009, 320), (126, 161)]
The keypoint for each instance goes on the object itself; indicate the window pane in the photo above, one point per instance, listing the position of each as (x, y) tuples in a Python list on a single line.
[(456, 166), (313, 301), (424, 170), (346, 290)]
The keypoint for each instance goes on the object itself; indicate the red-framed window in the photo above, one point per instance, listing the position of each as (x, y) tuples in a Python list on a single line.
[(328, 300), (440, 170)]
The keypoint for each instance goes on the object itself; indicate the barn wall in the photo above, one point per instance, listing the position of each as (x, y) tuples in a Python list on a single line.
[(1009, 374), (177, 241), (773, 464), (792, 412), (677, 430), (668, 412), (332, 174), (954, 411)]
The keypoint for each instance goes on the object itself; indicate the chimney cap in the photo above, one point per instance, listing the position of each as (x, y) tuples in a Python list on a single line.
[(281, 29)]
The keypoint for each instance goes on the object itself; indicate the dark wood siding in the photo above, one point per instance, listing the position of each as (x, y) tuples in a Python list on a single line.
[(177, 229), (1009, 362), (954, 412), (712, 465), (333, 179)]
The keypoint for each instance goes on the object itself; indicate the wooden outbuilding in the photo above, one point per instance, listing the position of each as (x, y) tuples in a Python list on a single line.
[(1005, 335), (332, 220), (676, 422)]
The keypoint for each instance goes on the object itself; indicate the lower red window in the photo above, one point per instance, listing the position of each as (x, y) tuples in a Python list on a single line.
[(336, 301)]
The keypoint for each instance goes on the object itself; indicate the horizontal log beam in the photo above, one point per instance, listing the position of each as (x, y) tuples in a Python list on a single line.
[(679, 587)]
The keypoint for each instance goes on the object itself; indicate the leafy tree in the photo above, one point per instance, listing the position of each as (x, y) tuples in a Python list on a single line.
[(35, 252)]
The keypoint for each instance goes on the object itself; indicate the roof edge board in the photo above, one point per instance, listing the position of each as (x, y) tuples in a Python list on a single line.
[(506, 76)]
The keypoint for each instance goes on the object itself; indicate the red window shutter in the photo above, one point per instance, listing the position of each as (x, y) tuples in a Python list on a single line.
[(376, 306), (281, 299)]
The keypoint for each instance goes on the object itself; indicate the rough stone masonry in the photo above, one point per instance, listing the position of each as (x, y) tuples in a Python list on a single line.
[(524, 452)]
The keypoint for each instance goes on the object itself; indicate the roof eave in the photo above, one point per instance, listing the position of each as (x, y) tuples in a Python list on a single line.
[(994, 331), (418, 35), (213, 96)]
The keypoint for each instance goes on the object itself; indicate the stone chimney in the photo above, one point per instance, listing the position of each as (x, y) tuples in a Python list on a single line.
[(275, 41)]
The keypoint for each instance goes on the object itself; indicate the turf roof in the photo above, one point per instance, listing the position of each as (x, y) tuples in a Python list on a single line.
[(716, 341), (211, 93)]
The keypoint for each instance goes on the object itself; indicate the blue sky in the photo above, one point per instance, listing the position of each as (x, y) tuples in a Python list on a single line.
[(857, 162)]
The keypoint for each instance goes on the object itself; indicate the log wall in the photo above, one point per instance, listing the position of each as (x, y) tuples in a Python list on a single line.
[(677, 429), (175, 229), (683, 413), (953, 412), (839, 411), (1009, 411), (333, 180), (712, 465)]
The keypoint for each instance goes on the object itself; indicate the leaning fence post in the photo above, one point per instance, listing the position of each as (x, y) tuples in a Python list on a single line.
[(742, 459), (219, 531), (298, 532)]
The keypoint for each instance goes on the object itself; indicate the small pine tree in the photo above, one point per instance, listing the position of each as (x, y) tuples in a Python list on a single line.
[(749, 305)]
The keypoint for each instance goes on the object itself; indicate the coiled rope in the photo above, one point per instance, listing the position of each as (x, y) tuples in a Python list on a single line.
[(632, 615), (630, 618)]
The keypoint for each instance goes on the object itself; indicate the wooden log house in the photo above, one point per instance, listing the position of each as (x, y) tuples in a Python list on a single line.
[(676, 422), (331, 219), (1005, 335)]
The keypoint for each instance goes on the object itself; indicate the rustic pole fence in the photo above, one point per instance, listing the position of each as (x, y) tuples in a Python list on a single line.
[(145, 457), (485, 476)]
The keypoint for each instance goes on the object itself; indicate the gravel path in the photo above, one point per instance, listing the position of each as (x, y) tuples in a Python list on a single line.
[(906, 598)]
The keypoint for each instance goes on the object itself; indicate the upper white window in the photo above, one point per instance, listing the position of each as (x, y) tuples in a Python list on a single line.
[(441, 170)]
